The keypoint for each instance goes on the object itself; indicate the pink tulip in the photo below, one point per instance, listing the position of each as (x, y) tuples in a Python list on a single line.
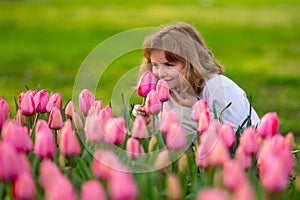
[(244, 193), (17, 136), (49, 173), (204, 121), (162, 90), (69, 144), (92, 190), (234, 176), (249, 141), (54, 101), (168, 117), (163, 161), (268, 126), (104, 114), (92, 129), (200, 106), (62, 189), (152, 104), (24, 186), (132, 148), (212, 151), (86, 99), (115, 131), (212, 193), (175, 137), (139, 128), (10, 166), (40, 101), (55, 119), (25, 164), (44, 145), (228, 135), (96, 106), (27, 104), (4, 111), (69, 109), (243, 158), (122, 186), (146, 84), (105, 163), (272, 174)]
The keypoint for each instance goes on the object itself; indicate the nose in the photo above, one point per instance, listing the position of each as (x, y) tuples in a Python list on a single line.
[(161, 72)]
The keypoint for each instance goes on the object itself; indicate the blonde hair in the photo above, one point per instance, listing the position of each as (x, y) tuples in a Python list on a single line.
[(182, 43)]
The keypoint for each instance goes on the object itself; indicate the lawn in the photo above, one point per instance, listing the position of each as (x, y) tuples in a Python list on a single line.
[(44, 43)]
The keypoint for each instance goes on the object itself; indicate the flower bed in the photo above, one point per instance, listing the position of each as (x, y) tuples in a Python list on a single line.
[(53, 150)]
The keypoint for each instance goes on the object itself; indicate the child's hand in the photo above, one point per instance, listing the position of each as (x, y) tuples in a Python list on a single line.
[(184, 98), (140, 110)]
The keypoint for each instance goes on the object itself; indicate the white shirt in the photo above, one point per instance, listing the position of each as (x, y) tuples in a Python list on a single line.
[(219, 91)]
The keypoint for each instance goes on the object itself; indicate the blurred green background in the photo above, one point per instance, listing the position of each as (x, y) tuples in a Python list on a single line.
[(43, 43)]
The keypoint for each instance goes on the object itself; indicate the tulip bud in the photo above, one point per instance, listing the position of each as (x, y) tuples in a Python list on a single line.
[(204, 121), (163, 161), (198, 108), (147, 83), (152, 144), (41, 100), (55, 119), (132, 148), (175, 137), (174, 189), (243, 158), (21, 119), (77, 121), (268, 126), (92, 129), (96, 107), (139, 129), (49, 172), (152, 104), (228, 135), (168, 117), (44, 145), (183, 163), (105, 163), (162, 90), (4, 111), (122, 186), (92, 190), (69, 144), (10, 166), (27, 104), (86, 99), (115, 131), (212, 193), (234, 176), (24, 187), (69, 110), (54, 101), (249, 141), (291, 139), (62, 189), (17, 136)]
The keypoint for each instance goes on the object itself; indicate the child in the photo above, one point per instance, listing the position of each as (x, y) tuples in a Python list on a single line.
[(178, 54)]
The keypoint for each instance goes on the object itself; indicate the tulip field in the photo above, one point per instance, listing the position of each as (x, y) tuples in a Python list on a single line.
[(61, 142), (55, 150)]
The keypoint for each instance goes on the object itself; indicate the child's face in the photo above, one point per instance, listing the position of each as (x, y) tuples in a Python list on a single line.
[(164, 69)]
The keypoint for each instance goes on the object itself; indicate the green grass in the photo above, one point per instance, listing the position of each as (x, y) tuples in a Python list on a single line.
[(44, 43)]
